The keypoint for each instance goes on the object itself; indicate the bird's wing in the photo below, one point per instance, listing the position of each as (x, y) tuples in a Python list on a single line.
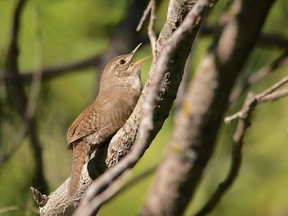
[(103, 122), (85, 124)]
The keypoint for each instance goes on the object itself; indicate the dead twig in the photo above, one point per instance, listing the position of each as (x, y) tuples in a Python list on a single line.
[(244, 117), (278, 63), (262, 97), (151, 34)]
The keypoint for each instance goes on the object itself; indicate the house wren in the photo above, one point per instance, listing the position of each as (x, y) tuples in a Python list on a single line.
[(120, 88)]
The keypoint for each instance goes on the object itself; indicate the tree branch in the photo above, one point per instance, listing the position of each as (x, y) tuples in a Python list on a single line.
[(147, 125), (177, 46), (197, 123), (262, 97), (244, 118), (278, 63), (96, 60)]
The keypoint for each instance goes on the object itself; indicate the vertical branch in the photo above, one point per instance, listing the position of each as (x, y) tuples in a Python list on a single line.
[(151, 34), (16, 92), (197, 123), (15, 87)]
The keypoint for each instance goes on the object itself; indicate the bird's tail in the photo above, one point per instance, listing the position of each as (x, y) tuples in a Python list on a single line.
[(79, 154)]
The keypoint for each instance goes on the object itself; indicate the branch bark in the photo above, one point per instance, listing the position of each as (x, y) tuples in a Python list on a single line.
[(198, 121), (172, 52)]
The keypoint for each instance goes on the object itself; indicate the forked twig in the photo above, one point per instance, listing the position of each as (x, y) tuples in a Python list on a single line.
[(279, 62), (262, 97), (151, 34), (243, 116)]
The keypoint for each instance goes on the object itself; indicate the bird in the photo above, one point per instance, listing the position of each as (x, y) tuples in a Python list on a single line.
[(119, 90)]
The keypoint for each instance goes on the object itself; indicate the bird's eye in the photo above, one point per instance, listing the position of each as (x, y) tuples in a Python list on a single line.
[(122, 61)]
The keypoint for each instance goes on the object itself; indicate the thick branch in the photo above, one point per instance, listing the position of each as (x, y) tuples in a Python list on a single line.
[(149, 123), (197, 124), (171, 68)]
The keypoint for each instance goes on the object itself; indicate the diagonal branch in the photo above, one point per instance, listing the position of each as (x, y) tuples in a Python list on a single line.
[(243, 124), (147, 125), (278, 63), (197, 123), (178, 49), (266, 95)]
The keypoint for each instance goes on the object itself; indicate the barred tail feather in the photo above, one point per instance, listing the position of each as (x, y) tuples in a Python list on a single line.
[(79, 154)]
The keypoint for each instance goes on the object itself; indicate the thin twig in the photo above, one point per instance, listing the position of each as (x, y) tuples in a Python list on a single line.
[(272, 88), (57, 70), (151, 33), (278, 63), (243, 116), (144, 17), (275, 95), (259, 99), (151, 7)]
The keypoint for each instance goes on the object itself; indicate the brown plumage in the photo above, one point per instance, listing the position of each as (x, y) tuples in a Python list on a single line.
[(120, 88)]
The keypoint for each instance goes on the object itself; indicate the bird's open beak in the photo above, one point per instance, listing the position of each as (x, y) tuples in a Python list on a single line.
[(141, 61), (134, 51)]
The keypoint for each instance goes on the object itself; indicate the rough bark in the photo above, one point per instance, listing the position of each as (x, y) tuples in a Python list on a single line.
[(198, 121), (125, 138)]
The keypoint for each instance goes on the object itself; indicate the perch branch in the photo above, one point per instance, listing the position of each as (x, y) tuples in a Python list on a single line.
[(197, 123), (90, 201)]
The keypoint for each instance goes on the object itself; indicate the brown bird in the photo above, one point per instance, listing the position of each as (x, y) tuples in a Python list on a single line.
[(119, 91)]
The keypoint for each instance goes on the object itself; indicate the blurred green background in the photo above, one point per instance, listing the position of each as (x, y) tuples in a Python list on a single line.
[(71, 30)]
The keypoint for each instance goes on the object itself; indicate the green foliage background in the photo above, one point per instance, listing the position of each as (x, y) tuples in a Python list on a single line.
[(72, 30)]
